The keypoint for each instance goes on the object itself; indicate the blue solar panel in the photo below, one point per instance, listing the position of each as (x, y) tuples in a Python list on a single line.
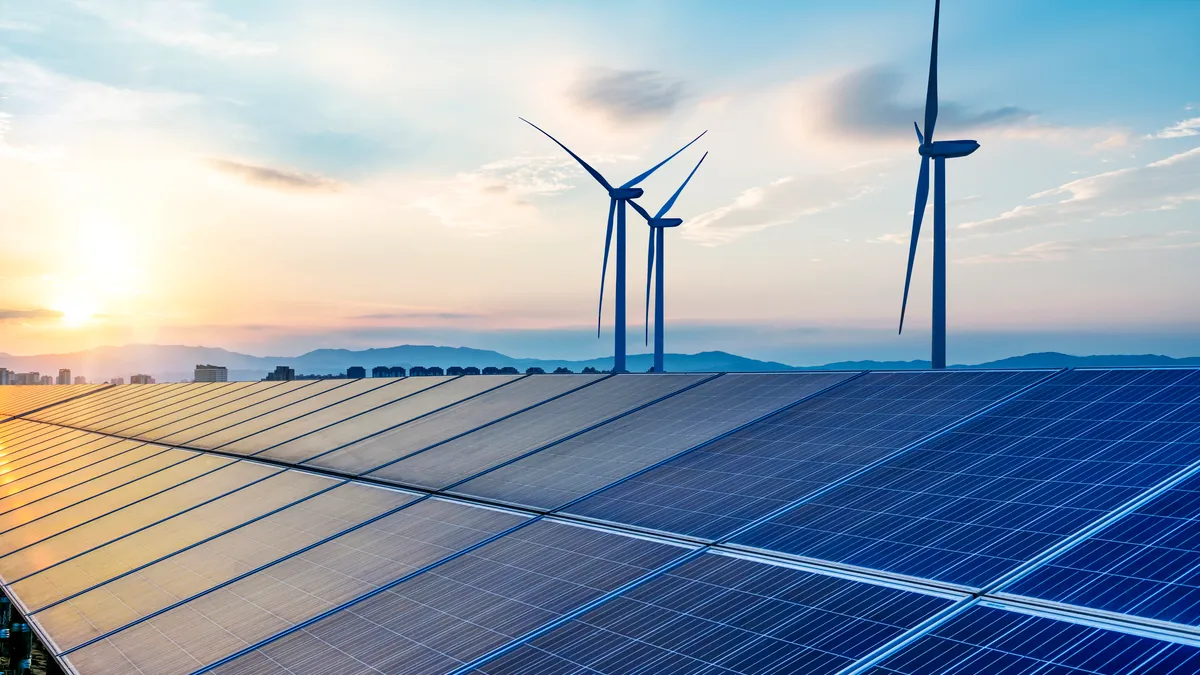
[(712, 491), (720, 614), (1144, 563), (987, 639), (971, 505), (458, 611), (571, 469)]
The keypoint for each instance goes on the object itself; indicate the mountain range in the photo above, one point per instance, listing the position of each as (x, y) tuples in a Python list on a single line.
[(176, 362)]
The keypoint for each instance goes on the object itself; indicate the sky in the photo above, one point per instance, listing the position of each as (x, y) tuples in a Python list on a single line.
[(274, 176)]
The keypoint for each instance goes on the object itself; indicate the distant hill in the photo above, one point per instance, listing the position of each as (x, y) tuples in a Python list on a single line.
[(176, 362)]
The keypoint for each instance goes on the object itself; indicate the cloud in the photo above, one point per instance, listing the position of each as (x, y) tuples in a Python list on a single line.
[(189, 24), (1189, 127), (28, 314), (19, 26), (627, 96), (278, 179), (1053, 251), (780, 202), (63, 96), (497, 195), (416, 314), (1162, 185)]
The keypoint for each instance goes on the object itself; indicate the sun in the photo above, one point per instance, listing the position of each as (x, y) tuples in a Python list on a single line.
[(77, 311)]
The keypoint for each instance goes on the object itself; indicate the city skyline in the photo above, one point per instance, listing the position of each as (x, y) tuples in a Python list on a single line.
[(272, 178)]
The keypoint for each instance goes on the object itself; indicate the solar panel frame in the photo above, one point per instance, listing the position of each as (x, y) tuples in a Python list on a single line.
[(129, 425), (158, 428), (53, 480)]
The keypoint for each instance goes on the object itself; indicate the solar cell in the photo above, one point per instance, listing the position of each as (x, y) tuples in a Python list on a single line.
[(54, 544), (44, 445), (161, 584), (988, 639), (129, 401), (215, 410), (97, 401), (29, 434), (312, 435), (714, 490), (379, 447), (580, 465), (224, 620), (68, 474), (242, 393), (1143, 564), (465, 456), (970, 505), (457, 611), (721, 614)]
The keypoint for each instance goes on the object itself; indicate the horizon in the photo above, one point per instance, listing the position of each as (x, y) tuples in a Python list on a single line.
[(275, 178)]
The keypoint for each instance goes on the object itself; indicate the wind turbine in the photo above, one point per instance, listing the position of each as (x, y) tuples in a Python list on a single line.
[(658, 225), (939, 151), (617, 198)]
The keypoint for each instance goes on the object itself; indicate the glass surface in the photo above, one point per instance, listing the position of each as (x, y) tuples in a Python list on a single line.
[(971, 505), (458, 611), (91, 465), (718, 614), (246, 421), (110, 399), (199, 410), (176, 533), (467, 455), (194, 393), (986, 639), (216, 624), (187, 573), (42, 445), (590, 461), (348, 431), (712, 491), (396, 399), (124, 424), (374, 450), (179, 421), (1143, 564), (58, 545)]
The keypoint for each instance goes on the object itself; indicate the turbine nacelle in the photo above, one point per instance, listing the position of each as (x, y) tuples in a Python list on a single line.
[(948, 149), (626, 193), (665, 222)]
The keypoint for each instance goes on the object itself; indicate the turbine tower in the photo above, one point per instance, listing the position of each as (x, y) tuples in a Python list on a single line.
[(617, 198), (939, 152), (658, 225)]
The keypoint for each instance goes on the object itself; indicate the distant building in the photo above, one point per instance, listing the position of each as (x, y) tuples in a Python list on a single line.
[(455, 371), (33, 377), (209, 373), (141, 379), (534, 370), (64, 376), (509, 370), (117, 380), (491, 370), (5, 376), (434, 370), (417, 371), (562, 370), (46, 379), (281, 374), (79, 379), (356, 372), (381, 371), (470, 370)]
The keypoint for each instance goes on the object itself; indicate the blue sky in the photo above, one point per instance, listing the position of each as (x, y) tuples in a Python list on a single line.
[(279, 176)]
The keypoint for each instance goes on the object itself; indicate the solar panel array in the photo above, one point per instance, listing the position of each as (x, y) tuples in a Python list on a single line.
[(806, 522)]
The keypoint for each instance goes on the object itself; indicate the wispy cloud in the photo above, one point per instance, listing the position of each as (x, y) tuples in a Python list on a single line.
[(29, 314), (277, 179), (189, 24), (627, 96), (61, 96), (1181, 129), (19, 26), (1054, 251), (408, 315), (497, 195), (1162, 185)]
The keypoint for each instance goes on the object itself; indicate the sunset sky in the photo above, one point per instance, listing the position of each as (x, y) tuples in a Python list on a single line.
[(273, 176)]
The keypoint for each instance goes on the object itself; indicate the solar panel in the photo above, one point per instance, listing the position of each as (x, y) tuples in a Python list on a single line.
[(110, 399), (19, 454), (24, 400), (223, 620), (712, 491), (458, 611), (467, 455), (140, 401), (27, 434), (590, 461), (127, 424), (155, 427), (988, 639), (296, 442), (721, 614), (971, 505), (185, 574), (186, 528), (45, 542), (1143, 564), (68, 474), (379, 446)]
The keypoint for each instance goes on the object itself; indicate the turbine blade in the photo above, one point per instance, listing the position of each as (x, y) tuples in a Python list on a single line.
[(654, 168), (671, 202), (920, 138), (639, 209), (931, 95), (612, 207), (918, 215), (587, 167), (649, 276)]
